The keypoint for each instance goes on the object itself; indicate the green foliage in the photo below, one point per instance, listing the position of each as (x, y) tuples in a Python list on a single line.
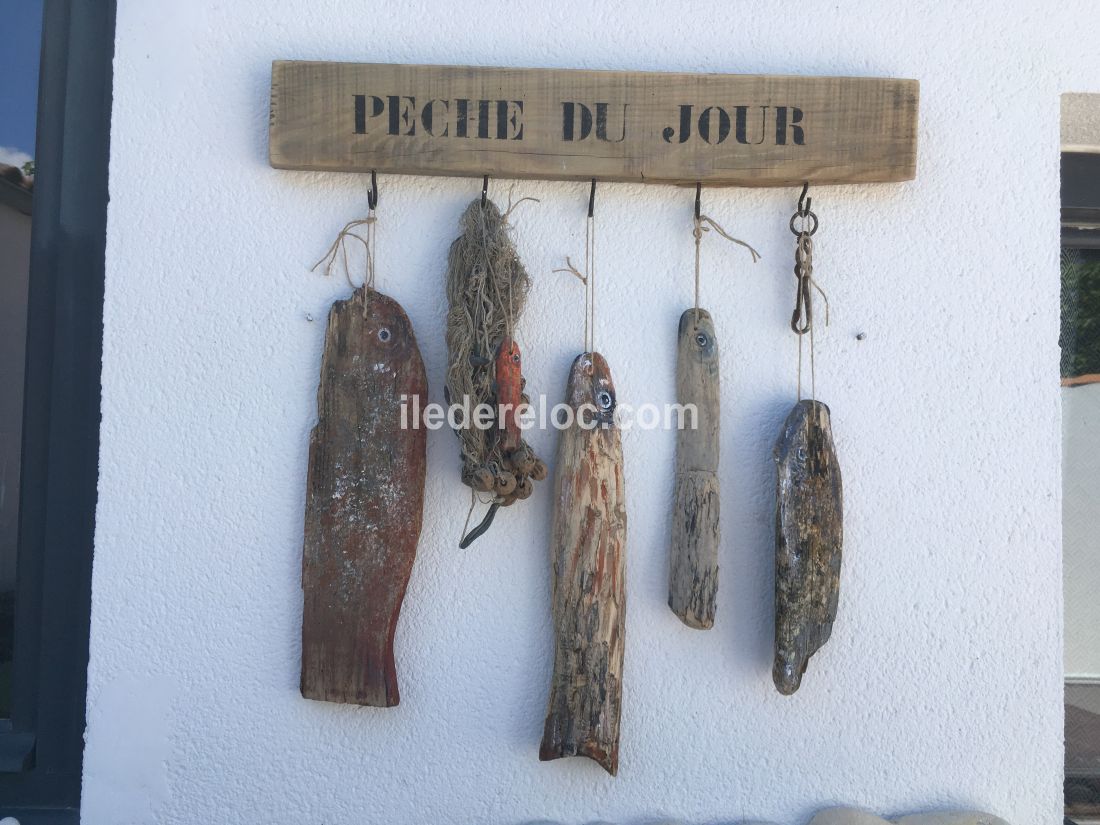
[(28, 169), (1080, 337)]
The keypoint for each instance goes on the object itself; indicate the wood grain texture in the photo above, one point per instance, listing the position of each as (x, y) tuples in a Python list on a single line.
[(693, 559), (742, 130), (364, 501), (809, 538), (587, 548)]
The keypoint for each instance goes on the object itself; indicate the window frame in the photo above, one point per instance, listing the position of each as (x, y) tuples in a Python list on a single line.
[(41, 748)]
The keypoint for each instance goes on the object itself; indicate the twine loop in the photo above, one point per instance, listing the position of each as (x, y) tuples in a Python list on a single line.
[(338, 249), (704, 223)]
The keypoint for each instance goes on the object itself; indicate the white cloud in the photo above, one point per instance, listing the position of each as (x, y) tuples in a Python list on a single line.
[(13, 157)]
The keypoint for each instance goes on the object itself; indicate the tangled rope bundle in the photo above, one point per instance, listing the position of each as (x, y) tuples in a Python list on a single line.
[(487, 288)]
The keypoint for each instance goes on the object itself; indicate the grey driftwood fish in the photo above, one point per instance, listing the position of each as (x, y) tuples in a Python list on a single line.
[(809, 535), (693, 555), (588, 595)]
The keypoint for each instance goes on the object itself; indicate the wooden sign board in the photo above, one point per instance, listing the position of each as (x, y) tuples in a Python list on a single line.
[(736, 130)]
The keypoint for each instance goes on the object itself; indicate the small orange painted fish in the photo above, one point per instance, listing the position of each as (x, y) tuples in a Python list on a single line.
[(509, 388)]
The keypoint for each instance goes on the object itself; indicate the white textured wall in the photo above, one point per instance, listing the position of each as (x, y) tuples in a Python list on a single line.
[(942, 684)]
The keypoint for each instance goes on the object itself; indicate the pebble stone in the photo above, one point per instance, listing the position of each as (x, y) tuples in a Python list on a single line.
[(847, 816), (961, 818), (854, 816)]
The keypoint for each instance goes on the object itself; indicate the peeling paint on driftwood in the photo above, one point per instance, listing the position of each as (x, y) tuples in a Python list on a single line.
[(364, 501), (693, 559), (588, 593), (809, 535)]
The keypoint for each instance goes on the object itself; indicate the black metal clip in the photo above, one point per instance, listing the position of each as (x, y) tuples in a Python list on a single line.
[(592, 197), (481, 529)]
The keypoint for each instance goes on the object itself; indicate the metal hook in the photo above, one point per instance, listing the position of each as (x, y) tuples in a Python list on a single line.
[(592, 197), (804, 202), (484, 189), (698, 199), (372, 193), (809, 219)]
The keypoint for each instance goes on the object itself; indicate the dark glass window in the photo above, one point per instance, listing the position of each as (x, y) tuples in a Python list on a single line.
[(58, 53), (1080, 367), (19, 59)]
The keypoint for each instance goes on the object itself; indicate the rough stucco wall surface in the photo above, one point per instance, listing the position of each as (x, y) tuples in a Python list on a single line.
[(941, 686)]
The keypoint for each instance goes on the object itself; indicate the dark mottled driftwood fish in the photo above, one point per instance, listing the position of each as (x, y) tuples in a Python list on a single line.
[(587, 551), (809, 535), (364, 501), (693, 560)]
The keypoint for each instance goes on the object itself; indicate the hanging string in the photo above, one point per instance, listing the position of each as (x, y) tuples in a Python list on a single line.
[(588, 276), (590, 273), (704, 223), (572, 270), (802, 319), (339, 249)]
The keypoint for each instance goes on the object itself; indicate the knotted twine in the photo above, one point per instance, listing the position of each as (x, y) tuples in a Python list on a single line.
[(704, 223), (339, 249)]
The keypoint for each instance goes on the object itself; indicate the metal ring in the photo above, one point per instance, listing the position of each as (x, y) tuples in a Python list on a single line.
[(808, 214)]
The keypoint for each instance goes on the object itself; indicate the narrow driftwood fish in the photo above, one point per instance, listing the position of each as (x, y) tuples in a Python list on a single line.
[(588, 597), (364, 501), (693, 560), (809, 534)]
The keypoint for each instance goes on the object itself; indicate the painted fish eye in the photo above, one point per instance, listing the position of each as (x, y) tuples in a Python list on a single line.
[(603, 400), (701, 339), (384, 334), (515, 357), (801, 453)]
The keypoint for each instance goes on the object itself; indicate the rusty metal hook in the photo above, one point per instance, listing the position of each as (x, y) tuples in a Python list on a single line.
[(803, 211), (804, 202)]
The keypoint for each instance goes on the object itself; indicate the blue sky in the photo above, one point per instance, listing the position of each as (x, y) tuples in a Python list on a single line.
[(19, 74)]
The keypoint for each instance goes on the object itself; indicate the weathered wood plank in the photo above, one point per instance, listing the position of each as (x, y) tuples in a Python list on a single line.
[(587, 550), (809, 538), (364, 501), (693, 560), (743, 130)]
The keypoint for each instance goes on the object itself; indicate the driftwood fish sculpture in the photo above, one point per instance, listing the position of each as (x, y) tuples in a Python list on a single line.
[(693, 562), (588, 597), (364, 501), (809, 535)]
